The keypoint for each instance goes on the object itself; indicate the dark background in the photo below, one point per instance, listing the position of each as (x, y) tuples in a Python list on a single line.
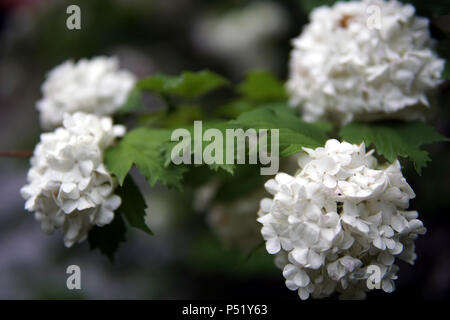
[(184, 259)]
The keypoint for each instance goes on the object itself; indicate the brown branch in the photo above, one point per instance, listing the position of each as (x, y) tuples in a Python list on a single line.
[(16, 154)]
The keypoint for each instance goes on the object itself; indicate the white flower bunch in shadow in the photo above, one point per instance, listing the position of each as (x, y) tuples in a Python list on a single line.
[(362, 61), (68, 184), (94, 86), (341, 214), (241, 37)]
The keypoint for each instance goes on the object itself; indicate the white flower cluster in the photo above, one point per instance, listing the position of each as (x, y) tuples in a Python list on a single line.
[(94, 86), (340, 215), (363, 60), (68, 185)]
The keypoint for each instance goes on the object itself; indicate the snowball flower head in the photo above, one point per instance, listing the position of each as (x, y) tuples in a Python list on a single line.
[(94, 86), (340, 216), (363, 60), (68, 185)]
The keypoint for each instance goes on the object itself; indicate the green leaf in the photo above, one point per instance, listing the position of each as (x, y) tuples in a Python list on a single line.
[(294, 133), (246, 180), (108, 238), (133, 204), (262, 86), (222, 126), (282, 116), (188, 85), (143, 147), (234, 109), (133, 102), (184, 115), (395, 139)]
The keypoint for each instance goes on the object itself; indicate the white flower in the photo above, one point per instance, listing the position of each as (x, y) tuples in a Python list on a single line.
[(241, 36), (340, 214), (68, 185), (363, 60), (93, 86)]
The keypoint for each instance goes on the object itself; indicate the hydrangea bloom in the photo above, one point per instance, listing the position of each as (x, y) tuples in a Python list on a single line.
[(340, 215), (363, 60), (68, 185), (94, 86)]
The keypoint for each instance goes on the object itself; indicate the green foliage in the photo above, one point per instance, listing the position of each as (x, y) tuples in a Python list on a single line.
[(108, 238), (143, 147), (188, 85), (245, 180), (235, 108), (133, 204), (395, 139), (209, 256), (185, 115), (221, 126), (294, 132), (133, 102), (262, 86)]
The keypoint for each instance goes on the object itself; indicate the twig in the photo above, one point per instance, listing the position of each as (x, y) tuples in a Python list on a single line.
[(16, 154)]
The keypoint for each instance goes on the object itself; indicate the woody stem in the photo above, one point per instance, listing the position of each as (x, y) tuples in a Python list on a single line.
[(16, 154)]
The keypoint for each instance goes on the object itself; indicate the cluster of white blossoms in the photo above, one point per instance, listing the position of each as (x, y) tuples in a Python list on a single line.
[(341, 215), (68, 185), (94, 86), (363, 60)]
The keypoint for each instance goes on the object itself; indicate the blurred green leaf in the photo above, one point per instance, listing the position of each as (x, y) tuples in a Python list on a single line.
[(210, 257), (133, 204), (188, 85), (133, 102), (108, 238), (262, 86), (395, 139), (245, 180), (234, 109), (182, 116)]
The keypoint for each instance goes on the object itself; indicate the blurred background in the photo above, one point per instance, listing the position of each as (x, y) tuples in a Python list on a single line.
[(196, 251)]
